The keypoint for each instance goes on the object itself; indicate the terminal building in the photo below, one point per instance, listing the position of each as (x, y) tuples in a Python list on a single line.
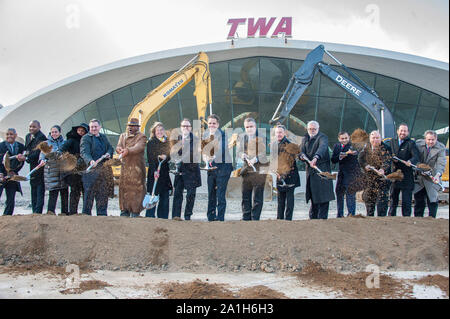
[(248, 78)]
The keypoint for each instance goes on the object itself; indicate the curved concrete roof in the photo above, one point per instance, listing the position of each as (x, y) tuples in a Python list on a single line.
[(55, 103)]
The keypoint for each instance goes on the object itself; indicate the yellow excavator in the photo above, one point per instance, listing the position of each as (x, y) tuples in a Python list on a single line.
[(198, 69)]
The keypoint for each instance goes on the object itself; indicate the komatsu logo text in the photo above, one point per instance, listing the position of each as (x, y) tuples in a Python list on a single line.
[(176, 85), (348, 86)]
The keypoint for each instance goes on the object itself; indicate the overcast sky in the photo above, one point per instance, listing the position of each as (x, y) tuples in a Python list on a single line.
[(44, 41)]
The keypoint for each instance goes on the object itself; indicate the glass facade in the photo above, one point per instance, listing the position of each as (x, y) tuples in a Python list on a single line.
[(253, 87)]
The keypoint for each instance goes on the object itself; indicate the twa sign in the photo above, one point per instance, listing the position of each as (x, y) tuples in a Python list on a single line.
[(261, 25)]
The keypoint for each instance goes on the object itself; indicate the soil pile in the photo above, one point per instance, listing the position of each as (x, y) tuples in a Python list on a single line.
[(139, 244), (203, 290), (354, 285), (435, 280)]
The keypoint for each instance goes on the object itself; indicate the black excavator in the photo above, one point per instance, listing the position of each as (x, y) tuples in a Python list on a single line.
[(365, 95)]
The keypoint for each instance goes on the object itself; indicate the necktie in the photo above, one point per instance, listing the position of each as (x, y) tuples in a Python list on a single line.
[(428, 150)]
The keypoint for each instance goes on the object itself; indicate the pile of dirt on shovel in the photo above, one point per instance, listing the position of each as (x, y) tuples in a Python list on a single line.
[(143, 244)]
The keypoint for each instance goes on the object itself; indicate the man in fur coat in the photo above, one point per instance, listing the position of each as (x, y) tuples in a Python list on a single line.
[(131, 147)]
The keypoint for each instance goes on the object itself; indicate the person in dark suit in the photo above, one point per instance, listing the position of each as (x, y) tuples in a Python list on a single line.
[(347, 180), (404, 148), (12, 147), (319, 190), (158, 149), (287, 172), (219, 177), (37, 184), (187, 160), (97, 183), (251, 148)]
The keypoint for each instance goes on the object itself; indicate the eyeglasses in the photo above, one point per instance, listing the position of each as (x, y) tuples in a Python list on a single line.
[(185, 126)]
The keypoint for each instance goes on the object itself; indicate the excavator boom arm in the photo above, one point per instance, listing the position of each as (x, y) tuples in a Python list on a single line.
[(366, 98), (197, 69)]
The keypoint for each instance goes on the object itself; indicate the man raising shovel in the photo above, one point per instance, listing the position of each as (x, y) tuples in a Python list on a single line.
[(97, 182)]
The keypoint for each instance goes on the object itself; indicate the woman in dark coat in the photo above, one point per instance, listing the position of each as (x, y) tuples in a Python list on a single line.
[(53, 174), (158, 149), (73, 179)]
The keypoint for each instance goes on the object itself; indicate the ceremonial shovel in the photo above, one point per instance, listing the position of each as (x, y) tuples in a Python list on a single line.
[(325, 175), (150, 201)]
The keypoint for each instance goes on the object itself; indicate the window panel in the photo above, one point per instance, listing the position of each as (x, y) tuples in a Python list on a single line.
[(91, 112), (408, 93), (122, 97), (354, 116), (275, 74), (386, 88), (140, 90), (404, 113), (220, 81), (423, 122), (429, 99), (244, 81), (329, 117)]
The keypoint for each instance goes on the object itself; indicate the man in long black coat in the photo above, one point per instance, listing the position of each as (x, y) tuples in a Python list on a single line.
[(32, 140), (12, 147), (318, 189), (187, 158), (348, 178), (404, 148)]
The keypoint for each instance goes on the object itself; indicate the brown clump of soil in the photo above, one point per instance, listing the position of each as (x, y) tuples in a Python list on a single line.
[(85, 286), (353, 285), (329, 175), (359, 136), (285, 162), (67, 162), (44, 147), (260, 292), (435, 280), (396, 176), (202, 290), (292, 148), (424, 166), (195, 290)]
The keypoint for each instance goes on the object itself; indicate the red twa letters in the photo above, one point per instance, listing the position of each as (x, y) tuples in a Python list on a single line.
[(284, 26)]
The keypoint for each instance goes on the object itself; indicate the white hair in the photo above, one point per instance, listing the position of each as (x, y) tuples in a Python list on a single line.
[(315, 123)]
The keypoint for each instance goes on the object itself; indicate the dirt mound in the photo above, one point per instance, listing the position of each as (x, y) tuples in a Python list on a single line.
[(203, 290), (435, 280), (353, 285), (195, 290), (85, 286), (140, 244)]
